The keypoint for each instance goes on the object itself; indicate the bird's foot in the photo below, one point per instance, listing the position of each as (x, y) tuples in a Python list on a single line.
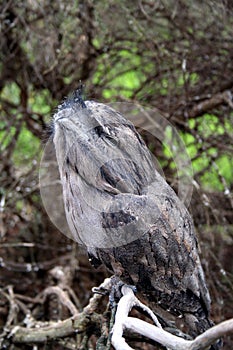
[(116, 290), (100, 290)]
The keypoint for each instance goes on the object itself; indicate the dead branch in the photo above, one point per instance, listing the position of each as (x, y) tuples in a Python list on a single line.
[(53, 330), (80, 322), (156, 333), (63, 297), (210, 103)]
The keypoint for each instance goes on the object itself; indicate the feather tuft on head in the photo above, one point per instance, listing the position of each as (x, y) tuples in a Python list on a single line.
[(75, 100)]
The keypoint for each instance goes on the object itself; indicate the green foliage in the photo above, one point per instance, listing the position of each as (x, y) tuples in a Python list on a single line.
[(40, 102), (207, 157), (125, 76), (128, 62), (26, 144), (127, 82), (6, 136), (225, 166), (26, 149), (213, 166), (11, 93)]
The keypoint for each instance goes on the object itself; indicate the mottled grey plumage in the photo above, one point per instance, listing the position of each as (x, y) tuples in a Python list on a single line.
[(126, 214)]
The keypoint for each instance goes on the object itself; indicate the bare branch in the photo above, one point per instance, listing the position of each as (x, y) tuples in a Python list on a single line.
[(123, 321), (210, 103), (63, 297), (53, 330)]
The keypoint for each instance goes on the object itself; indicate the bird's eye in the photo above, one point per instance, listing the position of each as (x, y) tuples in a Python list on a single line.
[(104, 134), (110, 140), (99, 130)]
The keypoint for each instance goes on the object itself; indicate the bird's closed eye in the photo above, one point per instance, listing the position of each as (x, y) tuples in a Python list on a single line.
[(104, 134), (110, 140)]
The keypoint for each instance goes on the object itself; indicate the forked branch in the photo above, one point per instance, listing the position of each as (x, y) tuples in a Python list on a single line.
[(156, 333), (81, 321)]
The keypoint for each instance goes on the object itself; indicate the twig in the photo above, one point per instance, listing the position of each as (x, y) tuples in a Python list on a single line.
[(76, 324), (63, 297), (210, 103), (79, 323)]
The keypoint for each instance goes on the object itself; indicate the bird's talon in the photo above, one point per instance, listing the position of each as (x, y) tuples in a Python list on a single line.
[(101, 291), (131, 286)]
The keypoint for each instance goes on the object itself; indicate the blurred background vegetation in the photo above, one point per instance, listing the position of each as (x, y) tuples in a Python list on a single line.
[(173, 56)]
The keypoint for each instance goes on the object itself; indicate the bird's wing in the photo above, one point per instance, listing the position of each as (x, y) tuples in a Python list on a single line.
[(163, 257), (148, 238)]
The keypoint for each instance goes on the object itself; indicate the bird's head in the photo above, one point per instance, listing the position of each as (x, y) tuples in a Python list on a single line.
[(107, 174), (101, 146)]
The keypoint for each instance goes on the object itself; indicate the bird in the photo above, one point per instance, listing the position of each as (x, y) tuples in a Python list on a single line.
[(125, 213)]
